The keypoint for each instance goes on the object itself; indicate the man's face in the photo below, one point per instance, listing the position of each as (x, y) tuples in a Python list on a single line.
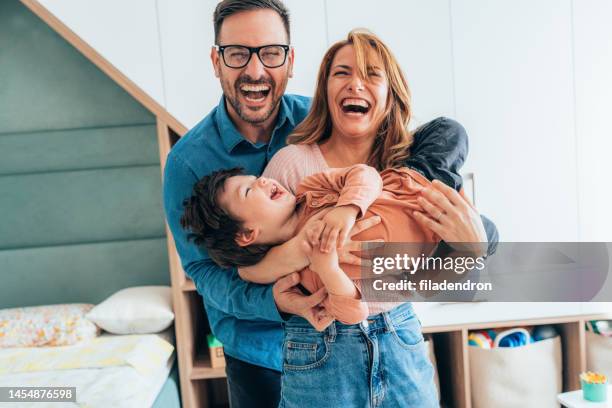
[(261, 204), (254, 91)]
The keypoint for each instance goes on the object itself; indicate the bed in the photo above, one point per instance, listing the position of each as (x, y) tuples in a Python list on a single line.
[(80, 180), (142, 375)]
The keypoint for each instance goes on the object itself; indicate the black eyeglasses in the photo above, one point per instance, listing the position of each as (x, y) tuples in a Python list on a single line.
[(238, 56)]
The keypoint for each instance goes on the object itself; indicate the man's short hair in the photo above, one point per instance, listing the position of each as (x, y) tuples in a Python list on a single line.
[(211, 226), (228, 7)]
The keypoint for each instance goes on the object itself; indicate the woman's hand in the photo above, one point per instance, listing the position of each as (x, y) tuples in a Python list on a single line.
[(450, 216)]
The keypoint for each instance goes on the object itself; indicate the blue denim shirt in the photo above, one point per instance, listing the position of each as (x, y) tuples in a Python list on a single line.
[(242, 315)]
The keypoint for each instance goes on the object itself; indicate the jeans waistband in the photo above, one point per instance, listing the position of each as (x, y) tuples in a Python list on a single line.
[(297, 324)]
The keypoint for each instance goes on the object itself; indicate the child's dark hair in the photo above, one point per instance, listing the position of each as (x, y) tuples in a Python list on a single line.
[(210, 226)]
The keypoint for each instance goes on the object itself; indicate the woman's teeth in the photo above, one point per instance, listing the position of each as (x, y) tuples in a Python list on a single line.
[(355, 106)]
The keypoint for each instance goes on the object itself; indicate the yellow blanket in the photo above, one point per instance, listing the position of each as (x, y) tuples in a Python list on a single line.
[(143, 352)]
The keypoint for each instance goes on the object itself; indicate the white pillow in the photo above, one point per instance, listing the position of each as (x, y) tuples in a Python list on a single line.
[(137, 310)]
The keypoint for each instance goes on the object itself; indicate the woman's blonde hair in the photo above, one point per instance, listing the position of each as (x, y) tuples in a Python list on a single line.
[(393, 139)]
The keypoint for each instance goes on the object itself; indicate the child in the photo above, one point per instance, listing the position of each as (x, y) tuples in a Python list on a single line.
[(256, 213)]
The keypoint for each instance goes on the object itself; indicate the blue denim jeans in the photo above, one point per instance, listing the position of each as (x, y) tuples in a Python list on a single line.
[(380, 362)]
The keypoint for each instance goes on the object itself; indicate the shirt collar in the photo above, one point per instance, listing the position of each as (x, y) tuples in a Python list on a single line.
[(231, 137)]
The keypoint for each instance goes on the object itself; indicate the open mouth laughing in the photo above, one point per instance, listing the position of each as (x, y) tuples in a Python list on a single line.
[(276, 192), (255, 92), (355, 106)]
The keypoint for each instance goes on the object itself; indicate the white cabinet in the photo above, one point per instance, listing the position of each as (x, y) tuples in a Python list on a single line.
[(418, 34), (593, 70), (123, 32), (452, 314), (309, 38), (187, 36), (514, 94)]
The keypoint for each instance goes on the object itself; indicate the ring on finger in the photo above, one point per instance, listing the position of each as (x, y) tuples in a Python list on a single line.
[(440, 214)]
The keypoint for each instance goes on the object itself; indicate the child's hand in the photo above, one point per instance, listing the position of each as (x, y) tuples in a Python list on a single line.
[(338, 223), (309, 235)]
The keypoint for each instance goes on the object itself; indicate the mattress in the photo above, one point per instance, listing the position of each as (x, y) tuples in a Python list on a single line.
[(113, 386)]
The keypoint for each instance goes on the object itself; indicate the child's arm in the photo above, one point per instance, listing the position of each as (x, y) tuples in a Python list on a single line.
[(343, 298), (355, 189), (283, 259)]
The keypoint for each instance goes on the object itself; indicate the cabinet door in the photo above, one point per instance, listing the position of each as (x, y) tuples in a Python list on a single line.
[(593, 68), (187, 36), (123, 32), (309, 39), (514, 94), (418, 34)]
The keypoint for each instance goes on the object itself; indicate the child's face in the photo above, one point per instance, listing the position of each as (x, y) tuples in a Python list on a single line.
[(262, 204)]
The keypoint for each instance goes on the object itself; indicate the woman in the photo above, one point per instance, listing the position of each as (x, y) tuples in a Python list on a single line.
[(360, 114), (332, 137)]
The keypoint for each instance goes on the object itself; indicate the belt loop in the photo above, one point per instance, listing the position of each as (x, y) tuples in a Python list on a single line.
[(331, 332), (388, 322)]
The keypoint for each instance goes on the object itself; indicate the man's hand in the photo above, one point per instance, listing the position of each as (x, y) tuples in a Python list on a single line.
[(289, 299)]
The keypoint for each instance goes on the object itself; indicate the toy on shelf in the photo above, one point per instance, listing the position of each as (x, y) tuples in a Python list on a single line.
[(602, 327), (482, 339), (544, 332), (515, 337), (594, 386), (217, 357)]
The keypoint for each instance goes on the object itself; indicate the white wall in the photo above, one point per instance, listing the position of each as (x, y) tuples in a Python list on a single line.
[(514, 94), (186, 39), (126, 33), (531, 82), (593, 81)]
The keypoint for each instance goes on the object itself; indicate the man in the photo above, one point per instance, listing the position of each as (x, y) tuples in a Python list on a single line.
[(253, 62)]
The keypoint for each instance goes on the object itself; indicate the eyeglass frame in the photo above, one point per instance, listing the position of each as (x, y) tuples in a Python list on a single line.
[(253, 50)]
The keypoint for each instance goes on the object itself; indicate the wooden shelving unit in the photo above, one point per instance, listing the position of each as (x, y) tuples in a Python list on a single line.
[(204, 386), (199, 381)]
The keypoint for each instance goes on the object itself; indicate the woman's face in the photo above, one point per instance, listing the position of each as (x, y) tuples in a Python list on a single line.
[(356, 106)]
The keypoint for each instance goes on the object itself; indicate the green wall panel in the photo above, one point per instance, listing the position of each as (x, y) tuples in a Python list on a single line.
[(80, 183), (47, 84), (78, 149), (80, 273), (81, 206)]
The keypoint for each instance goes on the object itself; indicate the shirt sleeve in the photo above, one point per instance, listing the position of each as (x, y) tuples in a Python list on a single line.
[(439, 150), (345, 309), (358, 185), (221, 288)]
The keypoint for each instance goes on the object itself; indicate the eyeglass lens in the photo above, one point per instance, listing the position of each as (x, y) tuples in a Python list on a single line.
[(271, 56)]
